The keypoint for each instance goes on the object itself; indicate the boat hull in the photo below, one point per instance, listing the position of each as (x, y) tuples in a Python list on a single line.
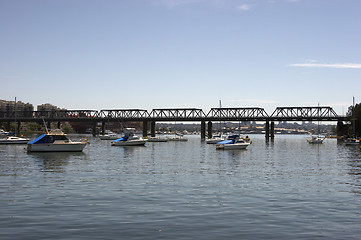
[(129, 143), (49, 147), (14, 141), (232, 146), (318, 141), (157, 140)]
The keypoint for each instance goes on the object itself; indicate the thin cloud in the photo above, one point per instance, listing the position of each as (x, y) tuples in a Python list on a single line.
[(244, 7), (328, 65)]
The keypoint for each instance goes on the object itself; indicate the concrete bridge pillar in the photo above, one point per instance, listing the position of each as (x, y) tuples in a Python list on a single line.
[(210, 129), (48, 125), (272, 130), (152, 128), (145, 129), (203, 130), (267, 129), (59, 125), (94, 130), (339, 129)]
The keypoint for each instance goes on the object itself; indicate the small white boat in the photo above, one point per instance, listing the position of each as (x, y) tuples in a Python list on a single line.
[(109, 136), (215, 139), (55, 141), (4, 133), (352, 141), (157, 139), (14, 140), (177, 138), (129, 141), (233, 142), (316, 139)]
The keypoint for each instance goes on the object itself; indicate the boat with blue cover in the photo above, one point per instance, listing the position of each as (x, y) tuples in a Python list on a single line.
[(129, 141), (232, 142), (55, 141), (352, 141)]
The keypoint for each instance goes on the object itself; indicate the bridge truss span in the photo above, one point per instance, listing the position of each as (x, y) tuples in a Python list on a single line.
[(124, 113), (305, 113), (235, 114), (187, 114)]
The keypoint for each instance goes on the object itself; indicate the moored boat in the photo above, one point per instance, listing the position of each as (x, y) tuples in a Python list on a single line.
[(352, 141), (316, 139), (233, 142), (129, 141), (55, 141), (109, 136), (215, 139), (14, 140), (178, 138), (157, 139), (4, 133)]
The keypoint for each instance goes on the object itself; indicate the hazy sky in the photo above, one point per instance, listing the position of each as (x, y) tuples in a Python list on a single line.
[(146, 54)]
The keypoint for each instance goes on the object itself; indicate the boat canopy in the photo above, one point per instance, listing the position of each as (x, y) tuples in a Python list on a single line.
[(40, 139), (46, 138), (228, 141), (125, 138)]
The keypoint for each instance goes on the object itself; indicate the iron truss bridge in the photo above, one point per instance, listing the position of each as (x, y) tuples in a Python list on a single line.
[(178, 114)]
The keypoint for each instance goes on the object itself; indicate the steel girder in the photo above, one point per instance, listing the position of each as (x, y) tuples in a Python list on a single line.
[(304, 113), (124, 113), (237, 113), (180, 114), (177, 113)]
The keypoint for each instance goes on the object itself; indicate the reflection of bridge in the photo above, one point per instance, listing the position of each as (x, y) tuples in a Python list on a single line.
[(176, 114)]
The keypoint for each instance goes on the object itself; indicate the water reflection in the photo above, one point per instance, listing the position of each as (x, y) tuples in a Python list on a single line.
[(55, 162)]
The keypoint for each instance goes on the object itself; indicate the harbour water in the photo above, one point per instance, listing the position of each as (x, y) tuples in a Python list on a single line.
[(281, 189)]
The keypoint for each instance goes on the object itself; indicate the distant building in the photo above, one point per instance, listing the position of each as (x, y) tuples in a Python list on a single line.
[(7, 108), (48, 107)]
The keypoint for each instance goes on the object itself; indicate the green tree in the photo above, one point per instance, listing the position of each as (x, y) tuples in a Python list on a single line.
[(354, 114)]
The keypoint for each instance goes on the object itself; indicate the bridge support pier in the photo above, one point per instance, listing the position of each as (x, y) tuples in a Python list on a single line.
[(339, 129), (48, 125), (145, 129), (270, 130), (267, 129), (203, 130), (59, 125), (152, 128), (94, 130), (210, 129), (103, 128)]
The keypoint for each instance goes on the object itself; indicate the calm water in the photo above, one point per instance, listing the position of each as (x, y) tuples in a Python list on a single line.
[(281, 189)]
